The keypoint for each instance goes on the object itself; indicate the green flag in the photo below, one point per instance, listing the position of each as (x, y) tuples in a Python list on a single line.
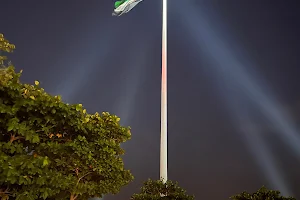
[(124, 6), (118, 3)]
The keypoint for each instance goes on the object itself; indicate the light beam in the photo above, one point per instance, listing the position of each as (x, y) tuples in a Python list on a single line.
[(232, 70)]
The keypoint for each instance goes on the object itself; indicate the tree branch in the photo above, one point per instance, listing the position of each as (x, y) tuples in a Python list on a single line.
[(83, 176), (13, 138)]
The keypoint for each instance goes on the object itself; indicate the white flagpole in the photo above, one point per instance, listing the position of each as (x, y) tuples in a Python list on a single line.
[(164, 124)]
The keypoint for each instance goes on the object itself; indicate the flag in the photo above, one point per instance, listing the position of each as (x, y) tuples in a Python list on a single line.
[(124, 6)]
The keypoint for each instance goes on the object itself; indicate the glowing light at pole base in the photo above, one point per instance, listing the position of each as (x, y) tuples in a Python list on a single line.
[(164, 125)]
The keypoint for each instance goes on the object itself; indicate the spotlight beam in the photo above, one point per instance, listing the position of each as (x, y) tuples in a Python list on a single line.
[(233, 74)]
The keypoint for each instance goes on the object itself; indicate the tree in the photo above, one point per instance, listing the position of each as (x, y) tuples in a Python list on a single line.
[(262, 194), (53, 150), (5, 46), (158, 190)]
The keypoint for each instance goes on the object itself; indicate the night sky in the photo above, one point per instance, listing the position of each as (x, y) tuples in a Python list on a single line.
[(233, 81)]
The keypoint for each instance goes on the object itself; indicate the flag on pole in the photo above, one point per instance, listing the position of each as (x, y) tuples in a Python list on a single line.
[(124, 6)]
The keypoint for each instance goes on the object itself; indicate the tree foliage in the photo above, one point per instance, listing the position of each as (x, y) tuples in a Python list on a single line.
[(262, 194), (53, 150), (158, 190), (5, 47)]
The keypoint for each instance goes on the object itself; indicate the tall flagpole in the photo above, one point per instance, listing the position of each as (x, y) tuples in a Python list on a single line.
[(164, 125)]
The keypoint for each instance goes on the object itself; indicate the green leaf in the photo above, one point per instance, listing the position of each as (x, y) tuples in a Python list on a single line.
[(45, 162), (35, 139), (78, 107), (45, 195), (10, 127)]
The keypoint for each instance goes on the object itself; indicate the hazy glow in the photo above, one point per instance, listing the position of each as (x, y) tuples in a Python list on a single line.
[(90, 51), (209, 40), (83, 68), (263, 154), (132, 79), (235, 71)]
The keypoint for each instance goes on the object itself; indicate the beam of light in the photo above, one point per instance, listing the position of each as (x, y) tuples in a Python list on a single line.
[(231, 69), (240, 111), (95, 51), (256, 144), (221, 54), (89, 47), (132, 79)]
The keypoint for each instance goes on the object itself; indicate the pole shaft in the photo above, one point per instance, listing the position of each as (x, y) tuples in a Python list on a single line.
[(164, 124)]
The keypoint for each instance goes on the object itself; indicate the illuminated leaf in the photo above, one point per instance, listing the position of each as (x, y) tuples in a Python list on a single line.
[(45, 162), (35, 139)]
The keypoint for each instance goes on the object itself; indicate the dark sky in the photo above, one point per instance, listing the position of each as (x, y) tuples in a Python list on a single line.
[(233, 83)]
